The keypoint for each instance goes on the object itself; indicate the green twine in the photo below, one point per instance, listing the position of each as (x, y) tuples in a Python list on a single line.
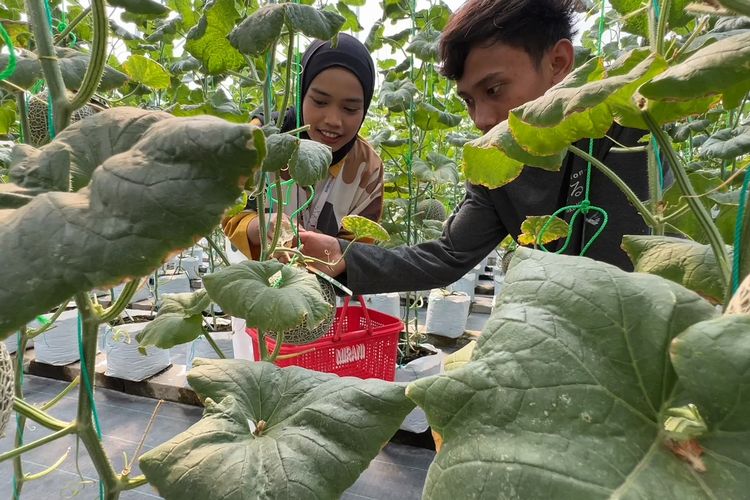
[(585, 206), (19, 418), (11, 67), (738, 234), (89, 390)]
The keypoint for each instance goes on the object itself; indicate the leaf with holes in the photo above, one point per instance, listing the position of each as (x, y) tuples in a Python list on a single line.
[(73, 66), (132, 215), (207, 40), (179, 320), (532, 226), (309, 162), (146, 71), (496, 159), (683, 261), (275, 433), (428, 117), (364, 228), (728, 143), (281, 149), (583, 105), (566, 391), (268, 295)]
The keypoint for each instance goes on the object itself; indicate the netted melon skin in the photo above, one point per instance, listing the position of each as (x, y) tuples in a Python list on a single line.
[(7, 380), (39, 119), (431, 209), (301, 335)]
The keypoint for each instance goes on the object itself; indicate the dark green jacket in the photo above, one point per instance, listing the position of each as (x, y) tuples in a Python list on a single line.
[(486, 216)]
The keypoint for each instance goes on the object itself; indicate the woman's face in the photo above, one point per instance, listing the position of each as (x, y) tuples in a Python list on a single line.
[(334, 107)]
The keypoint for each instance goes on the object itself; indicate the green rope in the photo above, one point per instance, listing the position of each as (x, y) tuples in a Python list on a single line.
[(11, 67), (89, 390), (738, 233), (19, 418), (585, 206)]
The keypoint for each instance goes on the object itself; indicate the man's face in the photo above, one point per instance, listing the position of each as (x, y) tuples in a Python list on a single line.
[(498, 78)]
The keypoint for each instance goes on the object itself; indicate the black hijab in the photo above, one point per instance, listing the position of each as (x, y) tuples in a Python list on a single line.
[(349, 54)]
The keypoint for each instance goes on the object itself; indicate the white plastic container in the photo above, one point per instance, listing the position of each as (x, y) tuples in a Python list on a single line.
[(201, 348), (388, 303), (125, 361), (242, 346), (447, 314), (58, 346), (466, 284), (172, 283), (416, 420)]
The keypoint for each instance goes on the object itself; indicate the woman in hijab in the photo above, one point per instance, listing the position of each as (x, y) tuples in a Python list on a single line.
[(337, 88)]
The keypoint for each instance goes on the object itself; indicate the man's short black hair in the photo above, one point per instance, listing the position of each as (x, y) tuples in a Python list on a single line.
[(532, 25)]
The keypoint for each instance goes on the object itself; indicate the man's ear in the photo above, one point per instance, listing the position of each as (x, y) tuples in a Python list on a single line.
[(560, 58)]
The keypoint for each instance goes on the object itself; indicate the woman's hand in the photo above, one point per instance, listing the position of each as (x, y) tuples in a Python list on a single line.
[(325, 248)]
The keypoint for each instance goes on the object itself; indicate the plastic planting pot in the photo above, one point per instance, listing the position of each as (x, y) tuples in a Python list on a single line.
[(447, 314), (125, 360)]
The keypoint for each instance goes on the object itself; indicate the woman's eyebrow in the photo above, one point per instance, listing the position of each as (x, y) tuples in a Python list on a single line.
[(357, 100)]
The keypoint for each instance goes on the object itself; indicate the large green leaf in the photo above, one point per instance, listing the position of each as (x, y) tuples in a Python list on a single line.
[(364, 228), (207, 40), (566, 390), (728, 143), (683, 261), (73, 66), (495, 159), (531, 229), (133, 214), (425, 45), (739, 6), (275, 433), (583, 105), (281, 148), (374, 40), (179, 321), (140, 6), (67, 163), (262, 28), (268, 295), (352, 21), (437, 168), (146, 71), (712, 71), (309, 162), (428, 117), (397, 95)]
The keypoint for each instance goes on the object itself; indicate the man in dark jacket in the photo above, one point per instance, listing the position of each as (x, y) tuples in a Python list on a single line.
[(502, 54)]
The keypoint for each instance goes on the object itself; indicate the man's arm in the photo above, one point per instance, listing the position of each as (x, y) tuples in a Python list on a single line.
[(469, 236)]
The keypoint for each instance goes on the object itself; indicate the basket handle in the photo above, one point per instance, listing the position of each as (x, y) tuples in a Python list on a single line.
[(361, 299)]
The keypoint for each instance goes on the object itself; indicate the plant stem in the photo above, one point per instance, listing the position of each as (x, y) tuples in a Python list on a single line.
[(86, 429), (268, 84), (661, 25), (18, 474), (38, 416), (214, 345), (71, 26), (50, 322), (23, 114), (277, 347), (218, 250), (39, 442), (745, 241), (287, 83), (262, 345), (113, 311), (128, 483), (629, 194), (654, 186), (279, 215), (61, 109), (97, 58), (690, 39), (261, 206), (299, 130), (52, 402), (696, 205)]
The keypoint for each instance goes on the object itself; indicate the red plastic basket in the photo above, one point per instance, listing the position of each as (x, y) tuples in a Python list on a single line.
[(360, 343)]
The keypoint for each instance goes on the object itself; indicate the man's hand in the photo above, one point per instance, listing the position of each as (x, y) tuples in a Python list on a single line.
[(325, 248), (253, 230)]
